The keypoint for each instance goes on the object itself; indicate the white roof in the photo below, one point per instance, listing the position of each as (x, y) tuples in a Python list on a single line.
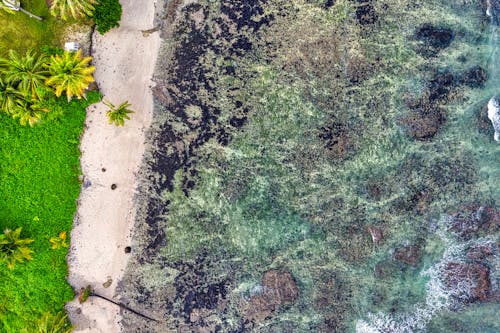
[(71, 46)]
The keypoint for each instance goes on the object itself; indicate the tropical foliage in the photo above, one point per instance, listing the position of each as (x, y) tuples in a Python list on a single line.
[(70, 73), (59, 241), (10, 97), (107, 15), (74, 8), (13, 248), (27, 73), (28, 83), (117, 115), (39, 176), (54, 323)]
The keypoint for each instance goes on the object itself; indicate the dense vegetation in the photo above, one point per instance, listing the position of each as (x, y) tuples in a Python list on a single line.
[(39, 185), (30, 83), (107, 15), (39, 172)]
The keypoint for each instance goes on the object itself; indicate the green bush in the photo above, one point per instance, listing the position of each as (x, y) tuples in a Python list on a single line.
[(107, 14), (54, 323), (13, 248)]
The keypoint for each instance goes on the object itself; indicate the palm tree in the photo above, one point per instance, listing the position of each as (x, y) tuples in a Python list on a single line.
[(10, 98), (13, 248), (28, 112), (75, 8), (27, 73), (117, 115), (70, 73)]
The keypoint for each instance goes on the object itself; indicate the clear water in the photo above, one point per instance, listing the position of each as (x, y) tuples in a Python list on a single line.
[(284, 154)]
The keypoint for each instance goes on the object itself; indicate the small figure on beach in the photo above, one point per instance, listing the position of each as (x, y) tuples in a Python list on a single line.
[(494, 116)]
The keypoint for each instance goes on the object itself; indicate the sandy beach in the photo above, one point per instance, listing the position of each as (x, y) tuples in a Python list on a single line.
[(111, 157)]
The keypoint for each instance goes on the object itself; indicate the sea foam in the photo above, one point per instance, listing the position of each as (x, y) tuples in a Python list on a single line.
[(493, 10), (494, 116), (439, 295)]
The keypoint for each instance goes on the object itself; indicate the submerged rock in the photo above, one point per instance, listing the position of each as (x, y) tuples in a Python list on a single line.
[(434, 39), (475, 77), (473, 280), (409, 255), (473, 220), (480, 252), (423, 124), (279, 289), (365, 12), (494, 116)]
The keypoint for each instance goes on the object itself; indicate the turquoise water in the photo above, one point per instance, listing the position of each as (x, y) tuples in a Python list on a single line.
[(321, 166)]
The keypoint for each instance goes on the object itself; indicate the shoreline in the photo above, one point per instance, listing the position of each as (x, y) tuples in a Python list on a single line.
[(125, 60)]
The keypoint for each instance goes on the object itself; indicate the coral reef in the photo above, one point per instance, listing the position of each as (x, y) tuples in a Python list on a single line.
[(301, 155)]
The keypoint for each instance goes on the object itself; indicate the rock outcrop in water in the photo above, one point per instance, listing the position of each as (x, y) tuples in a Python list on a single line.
[(434, 39), (278, 289)]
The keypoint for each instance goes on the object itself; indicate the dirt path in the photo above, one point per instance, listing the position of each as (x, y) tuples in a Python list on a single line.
[(111, 156)]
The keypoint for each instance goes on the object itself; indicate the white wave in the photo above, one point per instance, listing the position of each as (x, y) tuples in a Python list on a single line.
[(494, 116), (439, 296)]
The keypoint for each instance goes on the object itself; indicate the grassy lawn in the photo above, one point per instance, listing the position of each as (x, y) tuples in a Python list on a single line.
[(39, 185), (20, 32)]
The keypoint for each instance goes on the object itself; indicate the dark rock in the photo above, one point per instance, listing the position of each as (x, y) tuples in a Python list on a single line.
[(128, 249), (422, 202), (338, 139), (479, 252), (440, 86), (374, 190), (409, 255), (329, 3), (238, 122), (475, 77), (278, 289), (473, 279), (422, 124), (483, 123), (384, 269), (473, 220), (93, 86), (357, 69), (434, 39), (282, 285), (365, 12), (494, 11)]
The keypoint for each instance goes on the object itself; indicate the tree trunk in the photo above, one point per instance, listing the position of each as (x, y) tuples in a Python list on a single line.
[(30, 14)]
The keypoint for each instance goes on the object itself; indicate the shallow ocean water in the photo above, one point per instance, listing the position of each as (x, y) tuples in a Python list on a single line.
[(320, 166)]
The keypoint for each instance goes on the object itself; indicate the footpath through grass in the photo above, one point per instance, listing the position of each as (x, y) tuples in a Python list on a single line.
[(39, 185)]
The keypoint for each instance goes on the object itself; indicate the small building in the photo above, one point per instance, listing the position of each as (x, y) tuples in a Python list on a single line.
[(71, 46)]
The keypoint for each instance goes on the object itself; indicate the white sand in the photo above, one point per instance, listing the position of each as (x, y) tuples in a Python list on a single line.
[(124, 61)]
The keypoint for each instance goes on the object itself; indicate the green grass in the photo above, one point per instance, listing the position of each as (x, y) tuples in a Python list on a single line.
[(39, 169), (39, 185), (14, 28)]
